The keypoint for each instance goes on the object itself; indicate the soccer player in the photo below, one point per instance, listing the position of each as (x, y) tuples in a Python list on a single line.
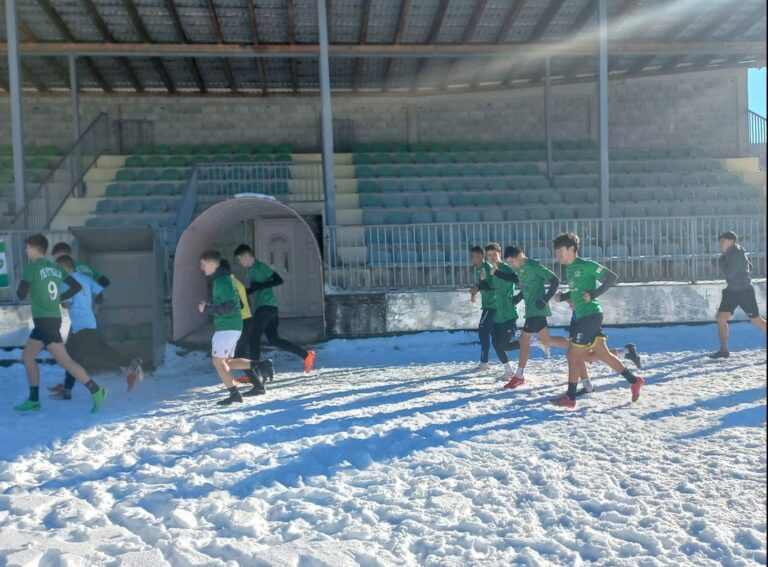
[(266, 317), (41, 280), (84, 343), (482, 271), (532, 276), (586, 330), (505, 315), (228, 325), (738, 292), (63, 249)]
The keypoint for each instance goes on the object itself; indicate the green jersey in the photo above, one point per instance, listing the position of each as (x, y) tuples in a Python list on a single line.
[(533, 279), (223, 291), (584, 275), (505, 293), (44, 278), (86, 270), (260, 273), (487, 297)]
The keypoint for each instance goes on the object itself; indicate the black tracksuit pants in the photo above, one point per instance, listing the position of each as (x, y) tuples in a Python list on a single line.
[(265, 322)]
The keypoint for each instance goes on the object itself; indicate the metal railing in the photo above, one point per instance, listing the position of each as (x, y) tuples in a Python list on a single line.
[(756, 145), (46, 200), (437, 255), (188, 205), (300, 181)]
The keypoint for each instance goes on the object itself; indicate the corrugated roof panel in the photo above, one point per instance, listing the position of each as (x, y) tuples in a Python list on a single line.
[(118, 21), (308, 72), (213, 74), (272, 18), (490, 23), (278, 73), (305, 21), (373, 72), (36, 20), (196, 20), (404, 74), (526, 22), (246, 72), (181, 74), (455, 22), (383, 20), (157, 20), (433, 72), (418, 21), (74, 16), (147, 74), (342, 73), (345, 20), (234, 21)]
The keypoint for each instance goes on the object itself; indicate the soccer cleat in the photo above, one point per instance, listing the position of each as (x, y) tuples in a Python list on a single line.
[(98, 399), (27, 405), (309, 362), (483, 367), (544, 347), (63, 395), (639, 382), (266, 370), (230, 400), (135, 373), (564, 402), (632, 354), (720, 354), (508, 373), (515, 382), (257, 390), (586, 383), (243, 379), (56, 388)]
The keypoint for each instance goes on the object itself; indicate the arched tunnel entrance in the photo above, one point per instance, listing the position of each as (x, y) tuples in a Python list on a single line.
[(280, 238)]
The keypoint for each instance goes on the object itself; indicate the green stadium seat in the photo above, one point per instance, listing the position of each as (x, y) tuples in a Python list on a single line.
[(138, 190), (183, 150), (454, 185), (95, 221), (142, 150), (155, 161), (433, 185), (107, 206), (485, 200), (493, 216), (393, 201), (498, 184), (469, 171), (178, 161), (130, 206), (386, 171), (422, 158), (416, 200), (371, 200), (476, 184), (538, 182), (448, 171), (115, 190), (518, 183), (442, 158), (156, 205), (516, 215), (134, 161), (469, 216), (445, 217), (381, 159), (419, 147), (507, 199), (462, 200), (203, 149), (374, 217), (398, 217), (367, 187), (401, 158), (147, 175), (591, 212), (365, 171), (162, 149), (164, 189), (550, 197), (428, 171), (656, 211), (125, 175), (440, 200), (389, 186), (563, 213), (411, 186), (408, 171)]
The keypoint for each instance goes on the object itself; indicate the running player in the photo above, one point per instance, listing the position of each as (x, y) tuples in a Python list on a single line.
[(586, 330), (41, 280), (482, 271), (63, 249), (84, 342), (228, 325), (266, 317), (505, 315), (738, 292)]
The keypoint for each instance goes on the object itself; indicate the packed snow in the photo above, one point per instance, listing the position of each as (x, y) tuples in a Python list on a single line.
[(397, 454)]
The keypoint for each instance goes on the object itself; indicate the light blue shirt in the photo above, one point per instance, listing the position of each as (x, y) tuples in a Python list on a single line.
[(81, 313)]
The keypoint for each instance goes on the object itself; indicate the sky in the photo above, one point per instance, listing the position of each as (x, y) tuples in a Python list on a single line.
[(756, 84)]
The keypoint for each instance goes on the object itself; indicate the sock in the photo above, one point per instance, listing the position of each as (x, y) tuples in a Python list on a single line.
[(34, 393), (92, 386), (628, 376), (233, 393), (507, 367), (519, 371), (572, 387)]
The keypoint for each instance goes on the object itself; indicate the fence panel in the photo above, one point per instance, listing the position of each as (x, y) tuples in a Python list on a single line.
[(757, 137), (437, 255)]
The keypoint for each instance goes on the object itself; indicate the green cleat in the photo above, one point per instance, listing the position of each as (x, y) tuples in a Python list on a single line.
[(28, 405), (98, 399)]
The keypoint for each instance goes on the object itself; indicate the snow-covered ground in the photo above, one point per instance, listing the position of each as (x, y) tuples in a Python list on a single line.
[(397, 455)]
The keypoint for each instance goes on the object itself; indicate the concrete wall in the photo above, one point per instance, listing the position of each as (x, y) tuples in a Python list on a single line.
[(705, 109), (630, 304)]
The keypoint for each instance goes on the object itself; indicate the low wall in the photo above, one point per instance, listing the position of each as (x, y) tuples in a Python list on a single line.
[(357, 315)]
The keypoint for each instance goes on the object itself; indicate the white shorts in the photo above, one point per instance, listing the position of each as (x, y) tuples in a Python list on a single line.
[(223, 343)]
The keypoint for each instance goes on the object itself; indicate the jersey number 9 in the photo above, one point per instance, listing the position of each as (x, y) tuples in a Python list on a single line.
[(53, 290)]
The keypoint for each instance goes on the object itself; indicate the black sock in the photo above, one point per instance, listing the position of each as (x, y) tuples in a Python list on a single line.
[(572, 387), (92, 386), (631, 378), (34, 393), (233, 393)]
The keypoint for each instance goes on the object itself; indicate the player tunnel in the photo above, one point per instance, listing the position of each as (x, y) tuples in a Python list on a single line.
[(279, 237)]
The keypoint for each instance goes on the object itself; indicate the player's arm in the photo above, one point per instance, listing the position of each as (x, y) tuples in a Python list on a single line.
[(219, 305), (553, 283), (73, 287), (565, 296), (273, 281), (23, 290), (517, 298), (97, 291), (506, 276), (607, 280)]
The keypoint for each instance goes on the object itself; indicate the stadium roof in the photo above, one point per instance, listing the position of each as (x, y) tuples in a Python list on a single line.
[(402, 46)]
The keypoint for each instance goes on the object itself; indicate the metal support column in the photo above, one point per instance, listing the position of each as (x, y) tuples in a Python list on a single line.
[(14, 87), (548, 114), (329, 177), (602, 105), (75, 102)]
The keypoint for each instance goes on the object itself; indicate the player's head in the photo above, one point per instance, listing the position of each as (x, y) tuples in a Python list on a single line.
[(37, 246), (726, 240), (61, 249), (209, 262), (225, 265), (493, 252), (66, 262), (566, 247), (477, 256), (244, 256), (514, 256)]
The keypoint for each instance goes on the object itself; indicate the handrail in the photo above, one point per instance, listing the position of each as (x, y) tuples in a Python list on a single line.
[(188, 205), (68, 173)]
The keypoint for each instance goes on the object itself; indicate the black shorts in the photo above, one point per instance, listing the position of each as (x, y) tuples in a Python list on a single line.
[(535, 325), (47, 330), (507, 327), (585, 331), (745, 299)]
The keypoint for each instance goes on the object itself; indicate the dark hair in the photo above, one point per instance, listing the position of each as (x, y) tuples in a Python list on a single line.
[(728, 235), (493, 246), (476, 250), (243, 249), (566, 240), (211, 256), (512, 252), (224, 263), (38, 241), (66, 261), (61, 248)]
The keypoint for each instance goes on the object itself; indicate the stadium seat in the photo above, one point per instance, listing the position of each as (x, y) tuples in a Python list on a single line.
[(434, 255), (469, 216), (394, 201), (416, 200), (405, 256), (134, 161), (401, 236), (138, 190), (411, 186), (398, 217), (125, 175), (508, 199), (462, 200), (163, 189), (390, 186), (454, 185), (369, 200), (439, 201), (131, 206), (667, 248), (422, 217), (485, 200), (617, 251), (539, 214), (379, 257), (433, 185), (374, 217), (106, 206), (446, 217), (591, 251), (516, 215), (493, 216), (367, 187), (115, 190), (147, 175)]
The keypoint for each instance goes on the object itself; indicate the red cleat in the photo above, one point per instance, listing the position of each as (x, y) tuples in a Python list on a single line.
[(639, 383), (514, 382), (131, 379), (56, 388), (243, 380), (309, 362), (564, 402)]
